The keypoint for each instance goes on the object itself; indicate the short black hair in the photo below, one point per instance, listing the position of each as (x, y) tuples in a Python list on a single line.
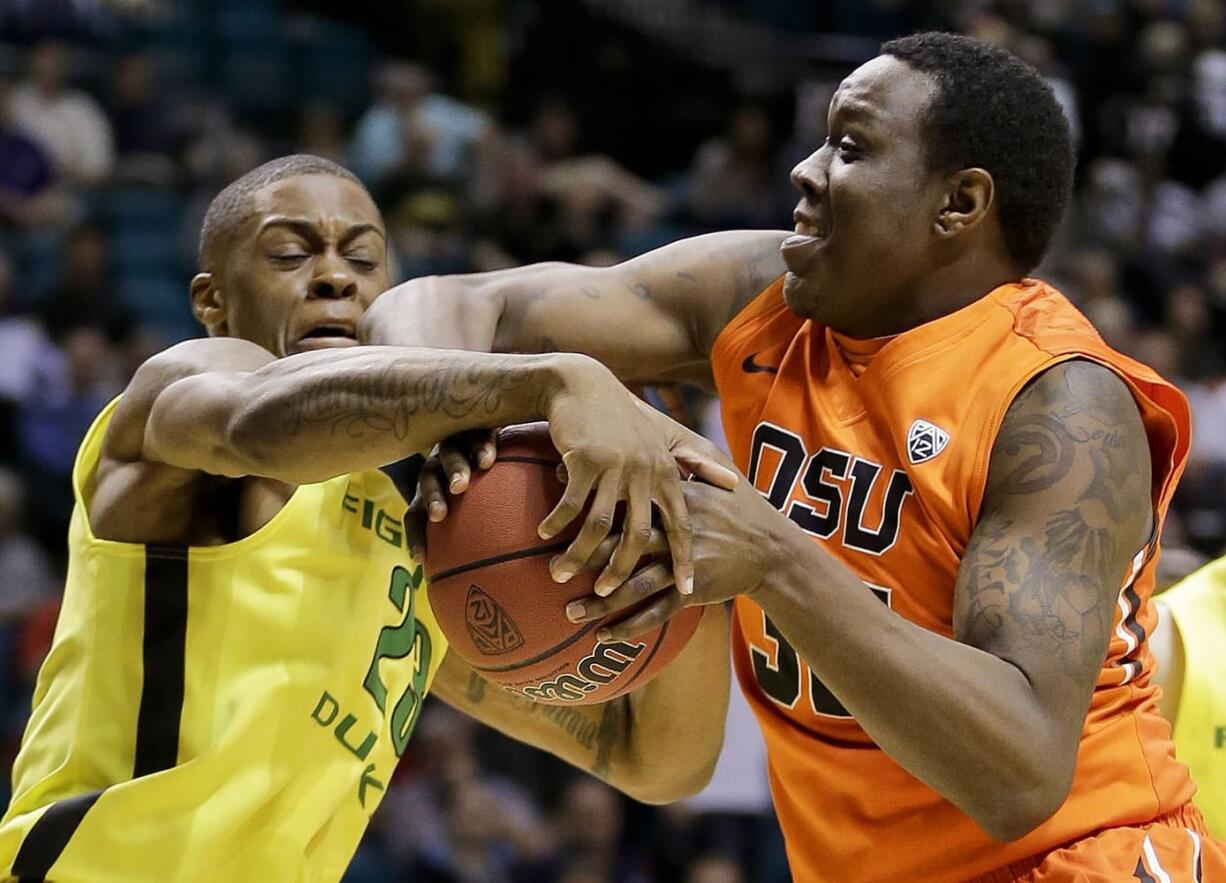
[(232, 205), (993, 111)]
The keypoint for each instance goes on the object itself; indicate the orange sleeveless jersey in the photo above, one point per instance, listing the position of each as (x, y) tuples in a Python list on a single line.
[(886, 470)]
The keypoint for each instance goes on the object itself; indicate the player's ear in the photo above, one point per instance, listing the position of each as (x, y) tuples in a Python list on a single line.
[(208, 303), (968, 198)]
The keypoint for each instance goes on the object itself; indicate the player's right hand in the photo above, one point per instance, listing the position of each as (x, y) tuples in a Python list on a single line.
[(446, 471), (617, 449)]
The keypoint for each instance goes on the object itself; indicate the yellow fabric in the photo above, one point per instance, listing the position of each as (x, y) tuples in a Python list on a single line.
[(1198, 606), (267, 730)]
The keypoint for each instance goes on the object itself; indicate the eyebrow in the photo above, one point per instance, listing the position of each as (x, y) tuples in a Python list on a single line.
[(310, 232), (857, 110)]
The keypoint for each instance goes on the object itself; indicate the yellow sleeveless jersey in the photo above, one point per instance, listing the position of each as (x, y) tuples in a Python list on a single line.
[(1198, 606), (228, 712)]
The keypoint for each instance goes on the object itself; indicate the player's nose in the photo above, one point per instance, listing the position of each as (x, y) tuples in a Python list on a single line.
[(333, 280), (809, 176)]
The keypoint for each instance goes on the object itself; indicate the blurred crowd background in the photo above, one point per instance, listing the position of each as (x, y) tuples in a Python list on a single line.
[(499, 132)]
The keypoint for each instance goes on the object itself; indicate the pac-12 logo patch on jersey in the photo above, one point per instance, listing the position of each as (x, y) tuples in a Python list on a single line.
[(925, 441)]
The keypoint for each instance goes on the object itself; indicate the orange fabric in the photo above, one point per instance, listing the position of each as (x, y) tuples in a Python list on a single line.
[(841, 451), (1175, 848), (858, 354)]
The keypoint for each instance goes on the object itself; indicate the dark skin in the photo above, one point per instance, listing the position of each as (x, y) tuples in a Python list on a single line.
[(212, 437), (882, 243)]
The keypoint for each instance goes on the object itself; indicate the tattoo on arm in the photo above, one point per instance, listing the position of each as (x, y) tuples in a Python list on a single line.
[(363, 404), (612, 726), (750, 276), (1067, 506), (580, 727), (476, 689)]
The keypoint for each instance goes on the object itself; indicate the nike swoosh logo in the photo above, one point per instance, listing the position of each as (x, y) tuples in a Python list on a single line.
[(749, 366)]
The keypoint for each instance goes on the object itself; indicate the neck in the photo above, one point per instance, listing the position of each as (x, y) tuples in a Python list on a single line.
[(943, 291)]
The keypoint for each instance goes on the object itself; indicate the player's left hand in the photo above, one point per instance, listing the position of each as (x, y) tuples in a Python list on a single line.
[(732, 545), (447, 470)]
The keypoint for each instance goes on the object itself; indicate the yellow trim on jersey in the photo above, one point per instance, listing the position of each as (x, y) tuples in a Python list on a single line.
[(228, 712), (1198, 606)]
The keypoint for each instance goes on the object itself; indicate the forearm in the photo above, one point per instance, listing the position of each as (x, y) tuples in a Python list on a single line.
[(311, 417), (651, 319), (676, 722), (657, 744), (961, 720), (449, 312)]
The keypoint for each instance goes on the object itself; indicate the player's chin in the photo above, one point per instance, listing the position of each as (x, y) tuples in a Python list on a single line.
[(802, 294)]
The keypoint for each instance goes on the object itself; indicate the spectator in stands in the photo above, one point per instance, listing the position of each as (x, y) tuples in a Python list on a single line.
[(50, 427), (68, 123), (145, 136), (448, 821), (26, 580), (590, 824), (714, 868), (410, 118), (735, 178), (321, 132), (85, 293), (28, 361), (28, 195)]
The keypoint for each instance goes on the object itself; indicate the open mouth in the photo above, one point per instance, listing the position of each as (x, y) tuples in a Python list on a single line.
[(327, 335), (330, 331)]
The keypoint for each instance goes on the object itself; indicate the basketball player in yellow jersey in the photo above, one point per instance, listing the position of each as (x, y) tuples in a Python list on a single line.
[(244, 644), (1188, 645)]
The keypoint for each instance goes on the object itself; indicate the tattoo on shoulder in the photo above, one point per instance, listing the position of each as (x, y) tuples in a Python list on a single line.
[(1066, 508)]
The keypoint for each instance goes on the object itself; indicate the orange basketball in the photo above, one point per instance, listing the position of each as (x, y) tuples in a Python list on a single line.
[(493, 596)]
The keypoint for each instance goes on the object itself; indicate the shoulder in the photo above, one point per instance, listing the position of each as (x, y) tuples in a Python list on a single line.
[(1076, 386), (125, 434), (1074, 431)]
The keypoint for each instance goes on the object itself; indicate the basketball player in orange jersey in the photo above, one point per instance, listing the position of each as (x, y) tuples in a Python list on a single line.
[(942, 587)]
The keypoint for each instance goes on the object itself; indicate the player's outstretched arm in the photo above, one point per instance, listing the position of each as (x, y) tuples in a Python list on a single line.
[(650, 319), (657, 744), (227, 407)]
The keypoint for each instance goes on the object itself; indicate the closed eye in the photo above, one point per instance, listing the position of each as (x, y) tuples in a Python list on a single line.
[(848, 150)]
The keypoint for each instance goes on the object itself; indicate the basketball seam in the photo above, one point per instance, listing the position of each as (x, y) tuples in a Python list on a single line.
[(538, 461), (544, 654), (650, 656), (498, 559)]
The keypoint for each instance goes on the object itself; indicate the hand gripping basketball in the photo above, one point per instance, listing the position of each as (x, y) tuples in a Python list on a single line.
[(633, 459), (493, 595)]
